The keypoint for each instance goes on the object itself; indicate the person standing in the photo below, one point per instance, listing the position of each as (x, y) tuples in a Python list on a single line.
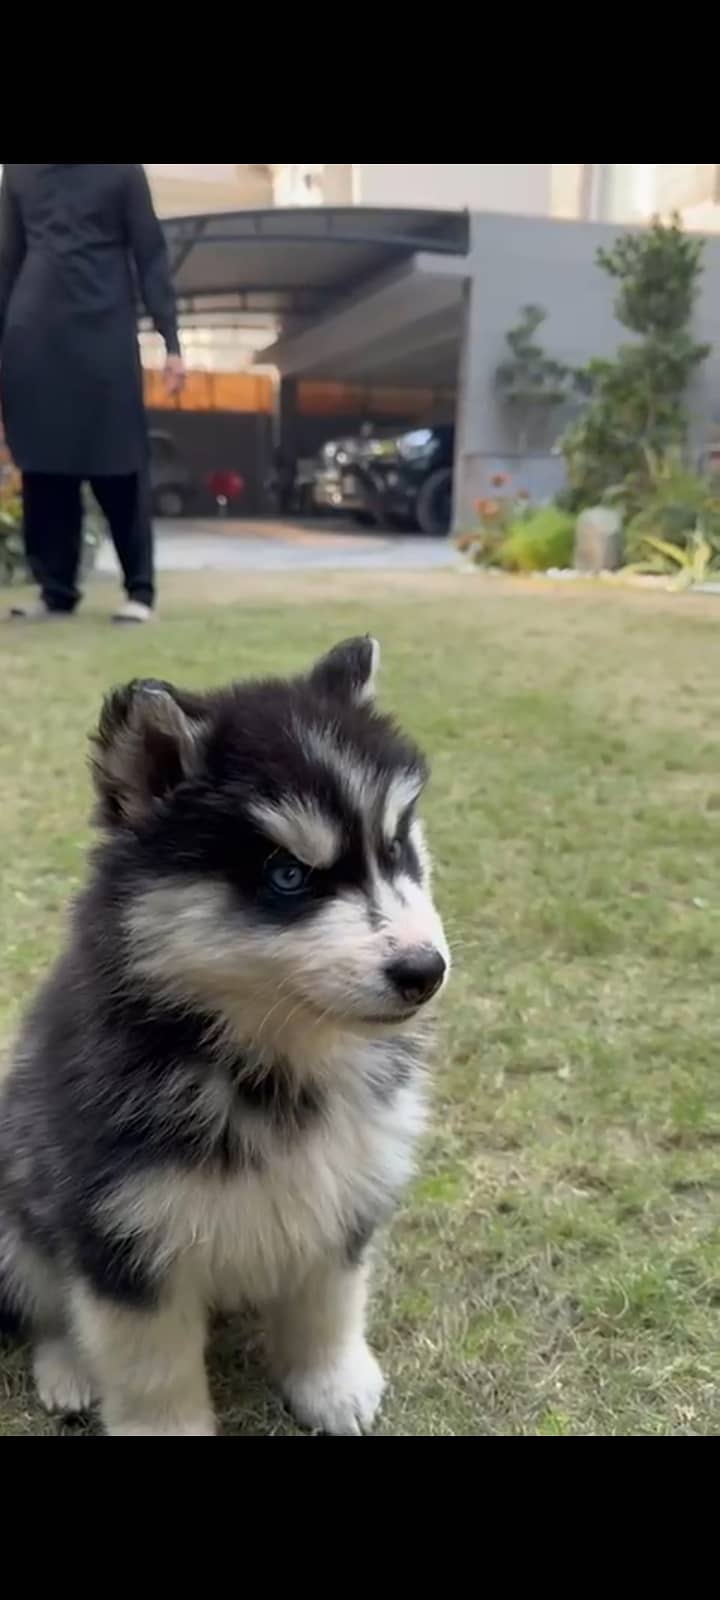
[(77, 242)]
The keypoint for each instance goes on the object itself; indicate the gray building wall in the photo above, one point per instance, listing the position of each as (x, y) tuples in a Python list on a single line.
[(518, 260)]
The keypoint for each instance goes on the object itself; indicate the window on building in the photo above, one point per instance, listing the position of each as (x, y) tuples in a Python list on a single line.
[(299, 183)]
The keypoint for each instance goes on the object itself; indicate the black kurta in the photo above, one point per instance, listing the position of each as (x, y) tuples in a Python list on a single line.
[(74, 239)]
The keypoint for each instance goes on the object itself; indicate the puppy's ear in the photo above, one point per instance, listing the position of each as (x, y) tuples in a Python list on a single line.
[(349, 671), (149, 739)]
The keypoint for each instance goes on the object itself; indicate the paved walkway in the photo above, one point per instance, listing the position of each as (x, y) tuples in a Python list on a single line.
[(271, 546)]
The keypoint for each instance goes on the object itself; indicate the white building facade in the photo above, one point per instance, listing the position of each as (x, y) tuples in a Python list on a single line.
[(588, 191), (603, 192), (479, 186)]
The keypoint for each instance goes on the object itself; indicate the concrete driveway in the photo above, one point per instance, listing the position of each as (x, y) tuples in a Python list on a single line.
[(265, 545)]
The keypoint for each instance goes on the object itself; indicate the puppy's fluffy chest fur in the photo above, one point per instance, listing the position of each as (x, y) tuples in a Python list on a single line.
[(302, 1177)]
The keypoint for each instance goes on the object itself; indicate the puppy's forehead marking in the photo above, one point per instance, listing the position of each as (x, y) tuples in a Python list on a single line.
[(301, 827), (360, 782), (378, 799), (403, 790)]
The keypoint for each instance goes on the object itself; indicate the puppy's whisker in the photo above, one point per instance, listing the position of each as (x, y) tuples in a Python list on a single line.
[(282, 1000)]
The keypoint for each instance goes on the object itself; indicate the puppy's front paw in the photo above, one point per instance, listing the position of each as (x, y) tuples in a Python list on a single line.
[(341, 1398), (61, 1380)]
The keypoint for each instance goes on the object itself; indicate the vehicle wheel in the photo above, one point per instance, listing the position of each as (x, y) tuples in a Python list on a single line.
[(364, 519), (434, 504), (169, 502), (400, 524)]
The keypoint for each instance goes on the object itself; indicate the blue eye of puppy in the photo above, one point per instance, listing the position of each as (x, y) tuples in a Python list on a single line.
[(286, 876), (395, 851)]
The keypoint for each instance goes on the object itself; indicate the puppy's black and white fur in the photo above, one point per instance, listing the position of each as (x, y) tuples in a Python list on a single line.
[(218, 1092)]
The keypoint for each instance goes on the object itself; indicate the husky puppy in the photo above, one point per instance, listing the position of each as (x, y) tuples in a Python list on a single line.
[(218, 1090)]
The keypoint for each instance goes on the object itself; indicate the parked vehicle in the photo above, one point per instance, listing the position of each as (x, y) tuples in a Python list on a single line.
[(170, 485), (290, 486), (403, 481)]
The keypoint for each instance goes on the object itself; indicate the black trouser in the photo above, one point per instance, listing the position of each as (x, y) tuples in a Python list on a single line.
[(53, 519)]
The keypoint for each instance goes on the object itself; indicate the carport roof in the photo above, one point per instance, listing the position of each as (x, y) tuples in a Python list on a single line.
[(296, 264)]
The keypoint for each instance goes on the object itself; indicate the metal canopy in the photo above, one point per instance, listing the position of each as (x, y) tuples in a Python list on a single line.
[(403, 327), (294, 265)]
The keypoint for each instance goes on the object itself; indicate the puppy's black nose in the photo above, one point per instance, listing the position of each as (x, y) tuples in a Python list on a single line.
[(418, 974)]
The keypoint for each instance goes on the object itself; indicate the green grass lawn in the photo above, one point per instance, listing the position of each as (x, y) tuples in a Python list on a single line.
[(556, 1269)]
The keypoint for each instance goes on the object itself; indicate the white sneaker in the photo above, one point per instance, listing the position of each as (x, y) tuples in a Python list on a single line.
[(37, 611), (134, 611)]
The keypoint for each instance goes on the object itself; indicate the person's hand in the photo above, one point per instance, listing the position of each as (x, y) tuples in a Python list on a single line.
[(174, 375)]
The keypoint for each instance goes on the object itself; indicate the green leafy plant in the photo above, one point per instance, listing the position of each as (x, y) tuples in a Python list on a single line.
[(688, 564), (676, 504), (496, 513), (637, 402), (539, 541), (12, 554), (530, 382), (13, 566)]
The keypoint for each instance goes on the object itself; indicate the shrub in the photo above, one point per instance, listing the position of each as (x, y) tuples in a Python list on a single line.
[(531, 384), (545, 538), (496, 514), (637, 402), (678, 505), (687, 565), (12, 555), (13, 567)]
